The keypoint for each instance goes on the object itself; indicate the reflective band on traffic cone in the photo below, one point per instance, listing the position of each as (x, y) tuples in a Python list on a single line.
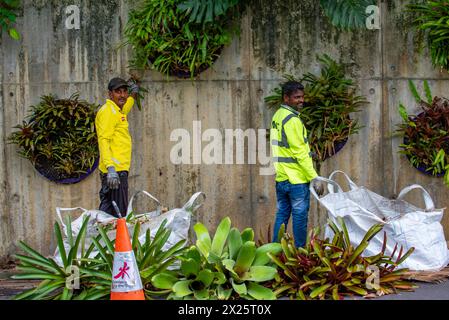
[(126, 282)]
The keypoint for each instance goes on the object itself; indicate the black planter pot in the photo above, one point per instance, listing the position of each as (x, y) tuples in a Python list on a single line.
[(337, 147), (182, 74), (421, 167), (46, 170)]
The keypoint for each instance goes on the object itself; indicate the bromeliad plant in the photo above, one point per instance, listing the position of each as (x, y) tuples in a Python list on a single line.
[(426, 135), (330, 98), (59, 137), (94, 280), (333, 269), (433, 18), (177, 37), (95, 274), (229, 266)]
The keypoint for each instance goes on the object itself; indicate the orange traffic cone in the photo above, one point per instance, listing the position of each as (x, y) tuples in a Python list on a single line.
[(126, 282)]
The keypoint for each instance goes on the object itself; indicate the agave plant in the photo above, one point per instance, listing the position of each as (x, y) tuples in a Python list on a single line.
[(95, 273), (426, 140), (229, 266), (329, 100), (334, 269)]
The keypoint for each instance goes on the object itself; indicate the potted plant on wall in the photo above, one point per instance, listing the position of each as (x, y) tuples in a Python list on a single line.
[(59, 138), (426, 135), (330, 98), (178, 37), (432, 17)]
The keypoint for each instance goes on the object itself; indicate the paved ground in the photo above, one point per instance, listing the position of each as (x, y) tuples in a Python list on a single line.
[(10, 287), (426, 291)]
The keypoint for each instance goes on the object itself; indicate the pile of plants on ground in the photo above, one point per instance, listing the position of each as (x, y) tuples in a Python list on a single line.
[(178, 37), (226, 266), (59, 138), (426, 135), (330, 98)]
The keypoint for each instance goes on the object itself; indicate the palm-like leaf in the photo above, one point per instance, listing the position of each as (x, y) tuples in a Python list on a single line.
[(204, 11), (347, 14)]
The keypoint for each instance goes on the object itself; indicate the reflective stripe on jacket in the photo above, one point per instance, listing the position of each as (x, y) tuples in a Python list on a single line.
[(114, 140), (290, 147)]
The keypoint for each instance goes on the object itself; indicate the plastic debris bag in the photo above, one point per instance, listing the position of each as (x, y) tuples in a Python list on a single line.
[(178, 221), (404, 224)]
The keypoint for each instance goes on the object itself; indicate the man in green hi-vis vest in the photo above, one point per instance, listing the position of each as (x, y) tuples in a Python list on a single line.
[(293, 163)]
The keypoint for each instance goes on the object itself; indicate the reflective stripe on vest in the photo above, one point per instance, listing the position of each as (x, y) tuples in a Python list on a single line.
[(284, 142), (285, 159)]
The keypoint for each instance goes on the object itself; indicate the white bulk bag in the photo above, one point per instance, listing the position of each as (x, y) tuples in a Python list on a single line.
[(404, 223)]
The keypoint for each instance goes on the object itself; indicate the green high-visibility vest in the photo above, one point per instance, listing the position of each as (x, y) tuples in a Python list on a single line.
[(290, 147)]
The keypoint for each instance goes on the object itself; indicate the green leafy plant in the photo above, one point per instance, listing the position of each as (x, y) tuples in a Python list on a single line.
[(432, 17), (95, 274), (203, 11), (334, 269), (426, 138), (164, 37), (330, 98), (229, 266), (59, 137), (94, 281), (8, 15), (347, 14)]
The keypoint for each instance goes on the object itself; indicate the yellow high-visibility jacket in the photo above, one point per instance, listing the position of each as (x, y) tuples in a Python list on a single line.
[(114, 140), (290, 148)]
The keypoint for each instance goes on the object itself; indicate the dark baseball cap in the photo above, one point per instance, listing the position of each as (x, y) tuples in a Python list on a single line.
[(116, 83)]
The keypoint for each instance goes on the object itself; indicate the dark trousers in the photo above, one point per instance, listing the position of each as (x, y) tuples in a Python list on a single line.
[(120, 195)]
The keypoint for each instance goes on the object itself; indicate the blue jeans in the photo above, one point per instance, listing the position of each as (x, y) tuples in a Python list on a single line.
[(292, 199)]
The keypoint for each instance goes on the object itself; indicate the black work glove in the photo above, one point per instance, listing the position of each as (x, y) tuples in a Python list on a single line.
[(112, 179)]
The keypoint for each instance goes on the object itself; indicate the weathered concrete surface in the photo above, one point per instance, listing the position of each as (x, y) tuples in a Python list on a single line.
[(277, 37)]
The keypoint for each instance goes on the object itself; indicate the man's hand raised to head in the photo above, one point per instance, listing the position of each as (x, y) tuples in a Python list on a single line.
[(133, 89)]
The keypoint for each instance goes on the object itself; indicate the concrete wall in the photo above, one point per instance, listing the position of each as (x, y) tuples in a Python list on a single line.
[(276, 37)]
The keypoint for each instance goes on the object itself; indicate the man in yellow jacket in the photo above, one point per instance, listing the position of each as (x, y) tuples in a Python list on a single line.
[(292, 162), (115, 145)]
